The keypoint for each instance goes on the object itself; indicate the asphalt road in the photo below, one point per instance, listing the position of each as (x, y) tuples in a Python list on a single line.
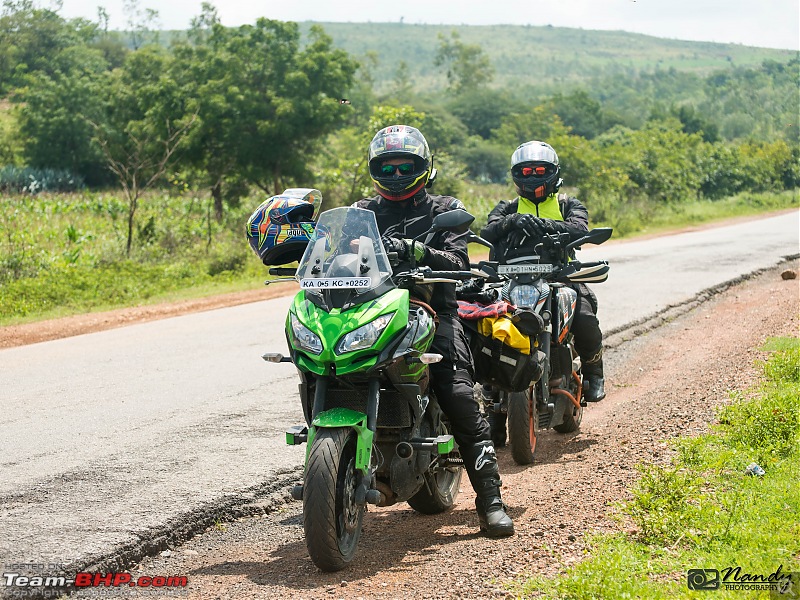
[(108, 437)]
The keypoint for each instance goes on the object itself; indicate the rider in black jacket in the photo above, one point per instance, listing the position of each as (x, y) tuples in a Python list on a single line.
[(516, 226), (401, 167)]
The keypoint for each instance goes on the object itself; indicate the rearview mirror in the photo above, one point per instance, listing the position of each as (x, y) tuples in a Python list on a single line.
[(595, 236), (457, 220)]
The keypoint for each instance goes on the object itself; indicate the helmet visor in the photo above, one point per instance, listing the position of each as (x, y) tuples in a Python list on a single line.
[(536, 152), (533, 171)]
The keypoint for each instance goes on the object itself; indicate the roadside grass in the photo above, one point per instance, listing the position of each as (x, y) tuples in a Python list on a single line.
[(64, 254), (675, 216), (704, 511)]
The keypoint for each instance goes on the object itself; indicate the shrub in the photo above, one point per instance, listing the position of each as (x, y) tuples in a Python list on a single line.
[(32, 181)]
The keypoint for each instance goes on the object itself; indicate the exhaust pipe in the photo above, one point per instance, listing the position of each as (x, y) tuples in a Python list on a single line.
[(404, 450)]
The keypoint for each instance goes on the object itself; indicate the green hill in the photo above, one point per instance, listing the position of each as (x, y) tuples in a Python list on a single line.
[(546, 56)]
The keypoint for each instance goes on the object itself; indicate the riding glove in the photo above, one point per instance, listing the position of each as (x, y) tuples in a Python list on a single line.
[(404, 247)]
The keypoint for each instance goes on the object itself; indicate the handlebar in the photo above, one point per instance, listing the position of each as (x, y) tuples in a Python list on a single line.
[(459, 275)]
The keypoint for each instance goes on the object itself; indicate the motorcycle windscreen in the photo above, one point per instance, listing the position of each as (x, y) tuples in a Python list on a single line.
[(345, 254)]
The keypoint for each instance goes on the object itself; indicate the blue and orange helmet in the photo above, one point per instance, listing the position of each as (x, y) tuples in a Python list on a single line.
[(280, 228)]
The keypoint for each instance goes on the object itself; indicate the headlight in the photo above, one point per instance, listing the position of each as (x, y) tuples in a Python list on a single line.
[(305, 338), (365, 336), (524, 295)]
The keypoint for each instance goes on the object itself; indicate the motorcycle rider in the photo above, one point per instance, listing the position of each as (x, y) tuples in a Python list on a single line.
[(516, 226), (401, 167)]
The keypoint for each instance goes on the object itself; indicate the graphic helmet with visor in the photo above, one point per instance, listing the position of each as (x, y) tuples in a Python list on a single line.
[(401, 178), (280, 228)]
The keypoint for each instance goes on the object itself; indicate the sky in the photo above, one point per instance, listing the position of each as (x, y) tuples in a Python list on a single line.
[(765, 23)]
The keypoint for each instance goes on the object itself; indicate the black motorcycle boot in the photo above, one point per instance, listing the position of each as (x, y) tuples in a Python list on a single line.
[(481, 465), (593, 380)]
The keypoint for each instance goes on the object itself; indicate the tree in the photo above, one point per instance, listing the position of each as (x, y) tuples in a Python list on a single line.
[(467, 65), (54, 108), (581, 113), (402, 85), (483, 109), (536, 123), (142, 23), (144, 121), (35, 40), (262, 103)]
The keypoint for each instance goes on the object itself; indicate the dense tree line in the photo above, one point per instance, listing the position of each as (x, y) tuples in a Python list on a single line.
[(266, 106)]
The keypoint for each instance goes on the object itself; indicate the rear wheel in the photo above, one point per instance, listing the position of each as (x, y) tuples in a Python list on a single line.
[(331, 518), (439, 492), (441, 486), (523, 421)]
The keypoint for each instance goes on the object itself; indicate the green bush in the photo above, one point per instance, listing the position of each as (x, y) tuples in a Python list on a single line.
[(29, 180)]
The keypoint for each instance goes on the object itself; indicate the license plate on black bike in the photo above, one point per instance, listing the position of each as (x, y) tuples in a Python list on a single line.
[(516, 269)]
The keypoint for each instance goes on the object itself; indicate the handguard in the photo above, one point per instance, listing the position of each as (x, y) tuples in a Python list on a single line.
[(596, 272)]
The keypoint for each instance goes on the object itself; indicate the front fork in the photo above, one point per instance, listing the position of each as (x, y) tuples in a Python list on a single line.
[(365, 426), (544, 345)]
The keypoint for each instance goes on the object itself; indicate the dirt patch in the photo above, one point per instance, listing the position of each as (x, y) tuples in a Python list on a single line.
[(53, 329), (662, 384)]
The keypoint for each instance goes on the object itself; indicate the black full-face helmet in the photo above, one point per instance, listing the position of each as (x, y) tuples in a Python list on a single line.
[(534, 169), (399, 182)]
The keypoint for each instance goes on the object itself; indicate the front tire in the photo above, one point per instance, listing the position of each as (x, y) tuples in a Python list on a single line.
[(572, 418), (331, 518), (523, 421)]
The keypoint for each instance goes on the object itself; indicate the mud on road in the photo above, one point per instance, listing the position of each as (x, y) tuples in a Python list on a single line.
[(661, 384)]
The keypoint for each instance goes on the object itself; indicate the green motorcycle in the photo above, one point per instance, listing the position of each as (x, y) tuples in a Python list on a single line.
[(374, 431)]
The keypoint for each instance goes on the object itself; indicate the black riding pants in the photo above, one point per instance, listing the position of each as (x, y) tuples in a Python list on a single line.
[(452, 382), (585, 326)]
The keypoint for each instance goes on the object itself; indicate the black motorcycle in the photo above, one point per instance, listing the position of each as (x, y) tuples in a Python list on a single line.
[(541, 389)]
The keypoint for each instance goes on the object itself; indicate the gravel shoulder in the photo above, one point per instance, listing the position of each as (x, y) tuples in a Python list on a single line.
[(662, 383)]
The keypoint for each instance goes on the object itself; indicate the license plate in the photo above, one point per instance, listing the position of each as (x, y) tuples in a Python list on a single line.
[(512, 269), (335, 283)]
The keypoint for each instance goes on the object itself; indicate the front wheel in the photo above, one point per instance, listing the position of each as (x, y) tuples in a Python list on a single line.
[(522, 424), (331, 518), (572, 418)]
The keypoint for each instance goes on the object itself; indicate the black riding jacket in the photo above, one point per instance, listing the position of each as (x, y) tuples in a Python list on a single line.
[(446, 251)]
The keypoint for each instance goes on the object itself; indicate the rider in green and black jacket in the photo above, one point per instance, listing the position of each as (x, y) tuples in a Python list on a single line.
[(515, 227)]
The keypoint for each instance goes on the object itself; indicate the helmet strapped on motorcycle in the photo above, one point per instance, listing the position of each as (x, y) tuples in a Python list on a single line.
[(405, 179), (534, 169), (280, 228)]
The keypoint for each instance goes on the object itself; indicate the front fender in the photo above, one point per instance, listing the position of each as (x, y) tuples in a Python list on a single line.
[(345, 417)]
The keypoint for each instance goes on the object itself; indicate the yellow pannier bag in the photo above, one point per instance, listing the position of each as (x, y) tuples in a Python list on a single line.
[(503, 329)]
